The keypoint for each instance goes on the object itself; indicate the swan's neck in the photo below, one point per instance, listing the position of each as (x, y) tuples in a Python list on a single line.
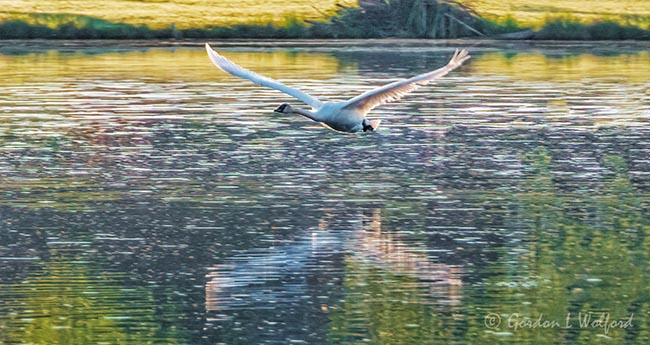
[(306, 113)]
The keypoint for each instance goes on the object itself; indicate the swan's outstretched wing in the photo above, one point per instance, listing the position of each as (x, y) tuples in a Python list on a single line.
[(238, 71), (394, 91)]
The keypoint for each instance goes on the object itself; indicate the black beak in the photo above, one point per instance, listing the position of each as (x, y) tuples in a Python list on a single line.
[(280, 108), (367, 128)]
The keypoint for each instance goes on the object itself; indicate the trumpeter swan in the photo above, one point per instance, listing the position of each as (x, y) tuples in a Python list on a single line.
[(348, 116)]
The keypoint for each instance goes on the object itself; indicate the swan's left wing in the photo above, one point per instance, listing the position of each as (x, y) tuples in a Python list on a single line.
[(396, 90), (238, 71)]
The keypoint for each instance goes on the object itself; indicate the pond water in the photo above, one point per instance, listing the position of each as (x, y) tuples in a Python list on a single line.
[(148, 197)]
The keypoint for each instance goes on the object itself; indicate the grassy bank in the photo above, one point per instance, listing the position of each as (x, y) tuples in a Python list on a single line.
[(572, 29), (160, 14), (536, 14), (370, 19), (373, 19)]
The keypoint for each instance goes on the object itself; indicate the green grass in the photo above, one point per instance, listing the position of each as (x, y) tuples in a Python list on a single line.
[(17, 29), (275, 19), (96, 29), (160, 14), (397, 18), (535, 13), (571, 29), (195, 14)]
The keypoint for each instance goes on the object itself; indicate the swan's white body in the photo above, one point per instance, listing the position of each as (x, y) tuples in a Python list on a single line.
[(348, 116)]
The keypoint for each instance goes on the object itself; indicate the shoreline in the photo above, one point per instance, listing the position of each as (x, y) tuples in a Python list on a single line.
[(348, 24), (310, 42)]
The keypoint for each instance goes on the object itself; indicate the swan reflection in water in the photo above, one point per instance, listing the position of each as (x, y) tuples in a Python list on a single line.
[(312, 268)]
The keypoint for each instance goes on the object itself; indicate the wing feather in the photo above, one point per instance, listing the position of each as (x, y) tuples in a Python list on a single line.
[(396, 90), (232, 68)]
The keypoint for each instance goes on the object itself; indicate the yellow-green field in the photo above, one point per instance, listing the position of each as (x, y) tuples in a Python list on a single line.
[(212, 13), (534, 12), (159, 14)]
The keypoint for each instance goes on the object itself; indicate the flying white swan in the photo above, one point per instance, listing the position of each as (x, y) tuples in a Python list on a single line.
[(348, 116)]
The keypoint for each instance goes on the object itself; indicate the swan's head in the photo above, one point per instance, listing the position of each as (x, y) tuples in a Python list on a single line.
[(370, 125), (284, 108)]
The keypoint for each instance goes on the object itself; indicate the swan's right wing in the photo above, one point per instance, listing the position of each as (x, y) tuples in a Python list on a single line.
[(230, 67), (396, 90)]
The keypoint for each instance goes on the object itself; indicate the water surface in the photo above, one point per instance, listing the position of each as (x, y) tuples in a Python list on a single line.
[(147, 197)]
